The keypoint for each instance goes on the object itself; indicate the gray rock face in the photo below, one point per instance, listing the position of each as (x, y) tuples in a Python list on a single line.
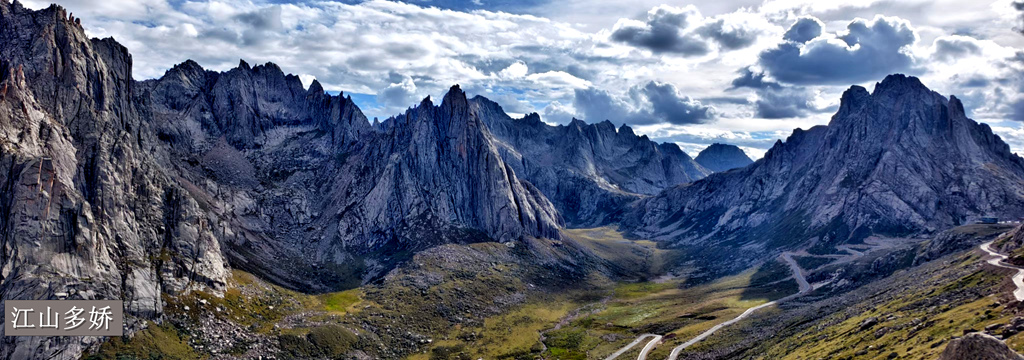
[(85, 209), (117, 189), (589, 171), (722, 157), (978, 346), (898, 161)]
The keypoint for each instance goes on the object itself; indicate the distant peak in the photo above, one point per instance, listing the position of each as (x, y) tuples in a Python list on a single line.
[(243, 65)]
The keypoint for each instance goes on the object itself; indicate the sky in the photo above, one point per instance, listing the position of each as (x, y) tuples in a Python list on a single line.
[(743, 72)]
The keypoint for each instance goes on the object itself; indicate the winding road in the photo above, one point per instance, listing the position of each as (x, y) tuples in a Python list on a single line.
[(801, 280), (798, 274), (643, 354), (997, 260)]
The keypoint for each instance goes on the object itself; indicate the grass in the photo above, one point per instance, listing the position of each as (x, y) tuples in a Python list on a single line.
[(340, 303), (640, 258), (514, 334), (155, 342), (911, 326), (667, 308)]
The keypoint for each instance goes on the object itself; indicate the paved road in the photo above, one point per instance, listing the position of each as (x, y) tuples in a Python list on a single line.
[(804, 286), (632, 344), (650, 346), (997, 260), (798, 274)]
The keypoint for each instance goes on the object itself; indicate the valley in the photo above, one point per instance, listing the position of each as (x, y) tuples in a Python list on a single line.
[(249, 213)]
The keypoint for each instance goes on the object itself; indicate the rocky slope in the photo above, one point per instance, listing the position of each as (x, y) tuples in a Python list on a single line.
[(978, 346), (897, 161), (589, 171), (86, 210), (722, 157), (117, 189)]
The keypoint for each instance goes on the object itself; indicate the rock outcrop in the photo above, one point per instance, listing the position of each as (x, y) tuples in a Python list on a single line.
[(589, 171), (978, 346), (898, 161), (117, 189), (722, 157), (85, 208)]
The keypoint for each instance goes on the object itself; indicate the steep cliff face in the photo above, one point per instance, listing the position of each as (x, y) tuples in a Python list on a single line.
[(117, 189), (722, 157), (589, 171), (85, 210), (434, 170), (898, 161)]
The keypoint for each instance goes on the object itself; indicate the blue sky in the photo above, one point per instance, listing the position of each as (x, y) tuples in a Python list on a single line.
[(744, 72)]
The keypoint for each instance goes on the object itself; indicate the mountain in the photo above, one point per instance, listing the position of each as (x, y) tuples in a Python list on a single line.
[(898, 161), (315, 195), (589, 171), (722, 157), (118, 189)]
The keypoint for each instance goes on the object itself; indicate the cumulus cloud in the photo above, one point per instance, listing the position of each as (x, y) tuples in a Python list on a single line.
[(669, 105), (684, 31), (949, 48), (788, 102), (1019, 6), (556, 113), (650, 103), (398, 94), (774, 100), (665, 31), (730, 35), (517, 70), (755, 80), (804, 29), (867, 50)]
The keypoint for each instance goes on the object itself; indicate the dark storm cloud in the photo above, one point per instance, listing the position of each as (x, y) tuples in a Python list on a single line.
[(867, 50), (804, 29), (650, 103)]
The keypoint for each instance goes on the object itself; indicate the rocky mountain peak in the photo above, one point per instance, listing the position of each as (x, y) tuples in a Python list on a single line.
[(316, 88), (900, 161), (852, 99), (626, 130), (722, 157)]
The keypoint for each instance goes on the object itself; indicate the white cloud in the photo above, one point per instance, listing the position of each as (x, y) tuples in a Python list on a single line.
[(515, 71), (401, 52)]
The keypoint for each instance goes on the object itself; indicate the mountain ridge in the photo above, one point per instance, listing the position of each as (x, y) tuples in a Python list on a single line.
[(839, 183)]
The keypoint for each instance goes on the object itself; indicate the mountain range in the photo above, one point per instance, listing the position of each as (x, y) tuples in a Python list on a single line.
[(148, 190)]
